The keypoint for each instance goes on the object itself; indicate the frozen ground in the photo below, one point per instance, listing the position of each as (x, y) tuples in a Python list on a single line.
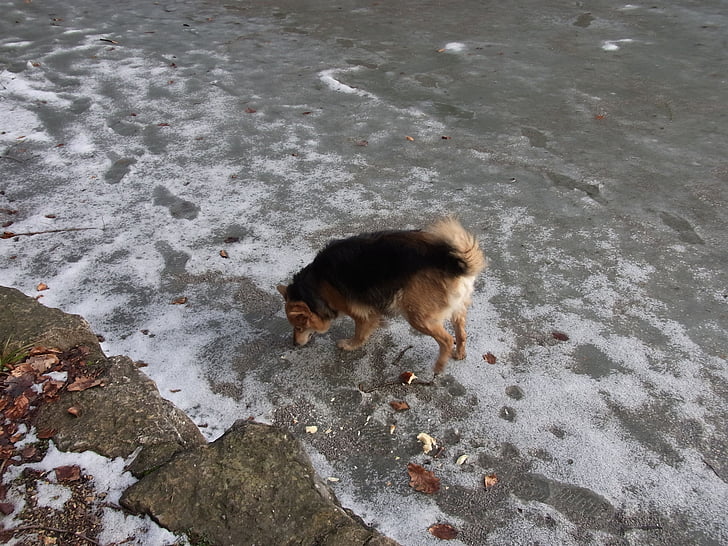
[(585, 145)]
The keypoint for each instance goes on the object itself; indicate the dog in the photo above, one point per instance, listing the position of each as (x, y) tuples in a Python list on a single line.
[(425, 275)]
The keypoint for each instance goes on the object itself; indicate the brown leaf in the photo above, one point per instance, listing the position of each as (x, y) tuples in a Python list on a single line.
[(410, 138), (399, 405), (73, 410), (46, 433), (407, 377), (82, 383), (6, 508), (179, 301), (42, 363), (250, 110), (224, 254), (490, 480), (489, 358), (41, 286), (229, 240), (561, 336), (19, 408), (7, 235), (443, 531), (422, 480), (70, 473)]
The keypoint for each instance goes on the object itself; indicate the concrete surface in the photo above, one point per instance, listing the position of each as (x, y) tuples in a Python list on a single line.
[(585, 145)]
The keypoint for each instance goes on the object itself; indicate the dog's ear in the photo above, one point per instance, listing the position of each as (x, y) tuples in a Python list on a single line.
[(283, 289), (299, 314)]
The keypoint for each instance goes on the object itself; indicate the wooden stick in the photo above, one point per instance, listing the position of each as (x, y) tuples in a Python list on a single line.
[(10, 234)]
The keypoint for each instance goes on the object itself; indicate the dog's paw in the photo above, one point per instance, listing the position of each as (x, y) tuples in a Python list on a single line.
[(458, 353), (348, 344)]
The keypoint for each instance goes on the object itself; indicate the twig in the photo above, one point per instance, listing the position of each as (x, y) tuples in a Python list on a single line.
[(52, 530), (13, 158), (10, 234), (392, 383), (401, 354)]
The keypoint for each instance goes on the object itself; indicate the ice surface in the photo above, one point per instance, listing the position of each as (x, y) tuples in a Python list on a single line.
[(279, 129)]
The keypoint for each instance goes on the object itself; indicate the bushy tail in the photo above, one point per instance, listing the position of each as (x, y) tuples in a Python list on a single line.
[(465, 244)]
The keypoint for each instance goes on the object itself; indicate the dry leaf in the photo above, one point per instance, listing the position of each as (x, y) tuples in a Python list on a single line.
[(407, 377), (489, 358), (428, 442), (179, 301), (250, 110), (46, 433), (443, 531), (19, 409), (313, 429), (461, 460), (82, 383), (73, 410), (422, 480), (410, 138), (561, 336), (399, 405), (41, 286), (490, 480), (70, 473), (224, 254), (42, 363)]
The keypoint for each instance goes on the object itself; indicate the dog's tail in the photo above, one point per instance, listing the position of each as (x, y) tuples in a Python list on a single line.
[(466, 246)]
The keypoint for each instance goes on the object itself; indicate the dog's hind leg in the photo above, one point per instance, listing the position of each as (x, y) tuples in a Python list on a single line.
[(437, 331), (458, 322), (363, 328)]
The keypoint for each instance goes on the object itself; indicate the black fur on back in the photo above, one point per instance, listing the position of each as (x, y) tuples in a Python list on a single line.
[(371, 268)]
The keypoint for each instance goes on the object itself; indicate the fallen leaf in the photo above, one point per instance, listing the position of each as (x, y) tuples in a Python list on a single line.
[(399, 405), (489, 358), (407, 377), (561, 336), (313, 429), (229, 240), (179, 301), (462, 459), (70, 473), (73, 410), (42, 363), (362, 143), (224, 254), (162, 124), (443, 531), (410, 138), (446, 137), (41, 286), (422, 480), (82, 383), (46, 433), (428, 442), (19, 409), (6, 508), (250, 110), (7, 235), (490, 480)]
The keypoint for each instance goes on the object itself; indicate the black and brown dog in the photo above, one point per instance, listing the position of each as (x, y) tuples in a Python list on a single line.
[(427, 276)]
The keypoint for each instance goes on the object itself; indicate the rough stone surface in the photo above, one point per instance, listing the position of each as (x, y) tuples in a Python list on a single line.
[(254, 485), (126, 414), (24, 320)]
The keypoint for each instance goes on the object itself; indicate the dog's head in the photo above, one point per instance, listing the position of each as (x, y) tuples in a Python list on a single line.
[(305, 322)]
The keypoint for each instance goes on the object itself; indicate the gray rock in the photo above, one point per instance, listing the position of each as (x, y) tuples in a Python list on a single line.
[(254, 485), (125, 414), (24, 320)]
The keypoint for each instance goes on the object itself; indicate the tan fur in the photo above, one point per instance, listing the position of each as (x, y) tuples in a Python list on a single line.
[(428, 299)]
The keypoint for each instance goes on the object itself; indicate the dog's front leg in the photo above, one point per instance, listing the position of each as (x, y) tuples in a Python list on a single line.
[(363, 328)]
